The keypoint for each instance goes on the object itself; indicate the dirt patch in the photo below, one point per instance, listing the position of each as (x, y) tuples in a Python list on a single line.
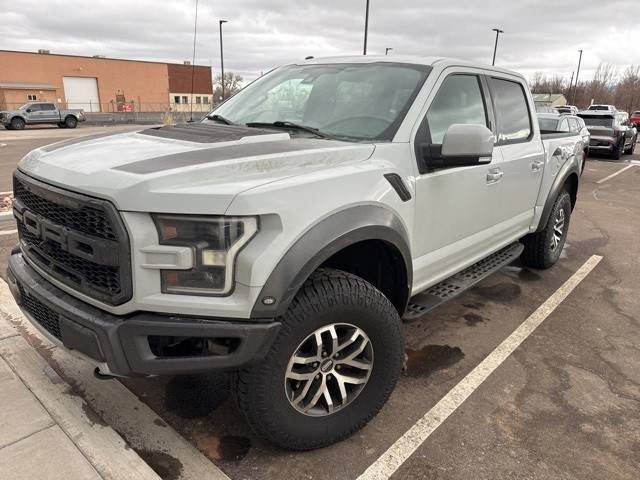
[(227, 447), (430, 359)]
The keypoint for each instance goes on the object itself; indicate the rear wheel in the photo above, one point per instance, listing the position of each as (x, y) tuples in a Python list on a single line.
[(70, 122), (333, 365), (17, 123), (542, 249), (62, 125), (629, 151)]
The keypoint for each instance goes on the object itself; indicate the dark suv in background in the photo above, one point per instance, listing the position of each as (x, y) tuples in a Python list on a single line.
[(611, 132)]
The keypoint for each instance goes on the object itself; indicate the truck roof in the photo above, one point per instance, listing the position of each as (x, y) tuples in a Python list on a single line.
[(411, 59)]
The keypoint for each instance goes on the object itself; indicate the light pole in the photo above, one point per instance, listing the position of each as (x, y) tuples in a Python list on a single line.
[(575, 88), (387, 50), (193, 62), (495, 47), (366, 28), (222, 58)]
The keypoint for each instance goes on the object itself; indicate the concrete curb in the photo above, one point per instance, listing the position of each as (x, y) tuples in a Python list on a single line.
[(103, 448), (118, 406)]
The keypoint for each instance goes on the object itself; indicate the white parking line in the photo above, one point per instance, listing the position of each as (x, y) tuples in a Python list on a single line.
[(602, 180), (8, 232), (406, 445)]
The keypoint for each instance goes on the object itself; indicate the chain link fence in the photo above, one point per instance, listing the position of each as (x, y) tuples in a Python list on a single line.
[(130, 112)]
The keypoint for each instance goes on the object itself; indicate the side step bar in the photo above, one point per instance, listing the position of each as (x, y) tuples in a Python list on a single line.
[(453, 286)]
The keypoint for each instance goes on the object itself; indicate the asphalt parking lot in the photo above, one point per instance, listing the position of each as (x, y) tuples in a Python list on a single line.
[(564, 405)]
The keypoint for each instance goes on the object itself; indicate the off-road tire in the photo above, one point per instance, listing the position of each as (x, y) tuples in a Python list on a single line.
[(71, 121), (629, 151), (328, 296), (17, 123), (538, 251)]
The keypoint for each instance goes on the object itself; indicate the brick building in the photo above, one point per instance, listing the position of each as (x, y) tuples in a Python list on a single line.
[(99, 84)]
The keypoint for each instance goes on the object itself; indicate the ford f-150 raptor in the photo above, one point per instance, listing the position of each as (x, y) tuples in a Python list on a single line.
[(36, 113), (286, 236)]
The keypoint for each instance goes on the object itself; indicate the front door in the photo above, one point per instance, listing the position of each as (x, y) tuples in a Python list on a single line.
[(455, 207)]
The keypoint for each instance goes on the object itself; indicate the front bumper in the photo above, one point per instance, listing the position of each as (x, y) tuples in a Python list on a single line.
[(122, 345)]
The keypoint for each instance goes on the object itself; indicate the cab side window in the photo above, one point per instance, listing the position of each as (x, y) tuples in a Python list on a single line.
[(563, 126), (459, 100), (512, 111)]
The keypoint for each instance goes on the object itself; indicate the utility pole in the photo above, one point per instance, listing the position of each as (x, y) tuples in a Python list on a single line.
[(387, 50), (575, 89), (222, 58), (366, 28), (193, 62), (495, 47), (571, 83)]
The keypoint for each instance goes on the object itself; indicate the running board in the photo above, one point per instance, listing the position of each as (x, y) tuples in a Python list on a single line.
[(453, 286)]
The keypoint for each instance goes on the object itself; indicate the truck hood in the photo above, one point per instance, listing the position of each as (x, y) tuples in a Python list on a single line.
[(190, 169)]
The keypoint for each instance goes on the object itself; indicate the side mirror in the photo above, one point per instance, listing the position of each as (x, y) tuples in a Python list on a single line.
[(29, 110), (463, 145)]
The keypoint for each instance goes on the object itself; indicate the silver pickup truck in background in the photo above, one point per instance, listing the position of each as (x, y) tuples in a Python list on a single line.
[(40, 112)]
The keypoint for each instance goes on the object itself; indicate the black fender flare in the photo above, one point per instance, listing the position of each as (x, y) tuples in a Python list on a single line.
[(324, 239), (570, 167)]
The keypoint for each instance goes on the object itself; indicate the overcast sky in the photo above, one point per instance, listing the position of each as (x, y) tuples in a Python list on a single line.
[(540, 35)]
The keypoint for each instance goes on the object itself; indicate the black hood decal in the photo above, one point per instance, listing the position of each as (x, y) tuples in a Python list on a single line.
[(205, 132), (217, 154)]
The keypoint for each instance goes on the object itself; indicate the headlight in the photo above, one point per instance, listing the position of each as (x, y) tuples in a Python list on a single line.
[(215, 242)]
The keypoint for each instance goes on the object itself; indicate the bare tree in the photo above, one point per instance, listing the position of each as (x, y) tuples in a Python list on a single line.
[(232, 83)]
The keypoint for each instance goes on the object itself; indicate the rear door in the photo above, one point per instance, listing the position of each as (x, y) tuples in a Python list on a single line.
[(49, 113), (522, 156)]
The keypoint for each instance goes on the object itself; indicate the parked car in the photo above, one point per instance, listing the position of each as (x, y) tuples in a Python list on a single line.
[(611, 132), (635, 119), (567, 109), (40, 112), (557, 123), (215, 247), (603, 107)]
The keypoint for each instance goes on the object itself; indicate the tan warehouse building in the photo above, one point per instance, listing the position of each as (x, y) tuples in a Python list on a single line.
[(98, 84)]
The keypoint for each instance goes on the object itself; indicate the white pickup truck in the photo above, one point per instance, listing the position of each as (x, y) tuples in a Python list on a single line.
[(287, 236)]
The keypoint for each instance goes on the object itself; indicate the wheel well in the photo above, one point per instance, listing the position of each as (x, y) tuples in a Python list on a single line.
[(17, 117), (571, 183), (379, 263)]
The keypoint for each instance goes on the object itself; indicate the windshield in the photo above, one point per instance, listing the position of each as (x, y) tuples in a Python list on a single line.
[(356, 101), (598, 121), (548, 123), (599, 107)]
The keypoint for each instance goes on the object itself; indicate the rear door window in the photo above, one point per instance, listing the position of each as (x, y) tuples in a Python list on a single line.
[(459, 100), (573, 125), (512, 111)]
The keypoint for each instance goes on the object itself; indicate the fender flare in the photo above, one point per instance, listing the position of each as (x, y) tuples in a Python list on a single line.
[(569, 168), (324, 239)]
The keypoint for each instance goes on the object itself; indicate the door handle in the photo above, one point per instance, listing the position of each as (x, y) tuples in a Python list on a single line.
[(494, 175), (536, 165)]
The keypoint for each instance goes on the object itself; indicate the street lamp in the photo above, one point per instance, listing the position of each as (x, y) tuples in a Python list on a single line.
[(495, 47), (193, 62), (222, 58), (387, 50), (575, 89), (366, 28)]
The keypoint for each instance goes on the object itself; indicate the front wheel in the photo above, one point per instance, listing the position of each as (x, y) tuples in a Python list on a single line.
[(332, 367), (17, 123), (542, 249)]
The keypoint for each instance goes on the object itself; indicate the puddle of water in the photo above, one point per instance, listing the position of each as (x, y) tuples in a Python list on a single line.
[(166, 466), (473, 319), (430, 359), (228, 447), (501, 292), (196, 396)]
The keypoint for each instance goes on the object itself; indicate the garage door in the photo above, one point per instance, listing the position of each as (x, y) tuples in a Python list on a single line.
[(81, 92)]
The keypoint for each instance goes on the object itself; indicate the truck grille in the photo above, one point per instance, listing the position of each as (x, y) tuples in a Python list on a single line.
[(76, 239), (42, 314)]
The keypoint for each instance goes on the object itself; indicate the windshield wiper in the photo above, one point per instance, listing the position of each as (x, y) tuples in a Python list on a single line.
[(290, 126), (219, 118)]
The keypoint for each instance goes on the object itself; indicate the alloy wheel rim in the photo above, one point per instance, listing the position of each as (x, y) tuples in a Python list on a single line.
[(329, 369), (558, 230)]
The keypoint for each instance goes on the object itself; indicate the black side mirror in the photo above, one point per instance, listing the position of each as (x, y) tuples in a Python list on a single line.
[(29, 110)]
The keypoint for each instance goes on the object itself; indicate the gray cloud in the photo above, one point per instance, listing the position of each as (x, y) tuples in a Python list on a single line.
[(540, 35)]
